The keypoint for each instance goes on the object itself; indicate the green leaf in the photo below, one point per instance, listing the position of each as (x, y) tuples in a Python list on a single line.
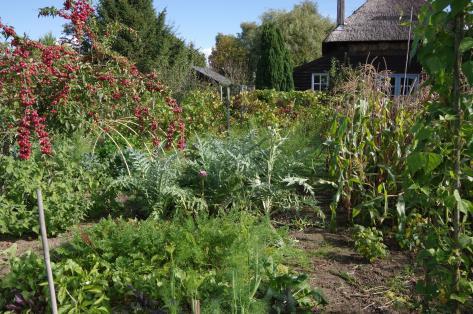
[(356, 212), (440, 5), (423, 161), (468, 71), (460, 298), (463, 206), (466, 44), (465, 241)]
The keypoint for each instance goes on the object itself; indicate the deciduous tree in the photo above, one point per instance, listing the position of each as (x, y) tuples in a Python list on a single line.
[(303, 29), (230, 57)]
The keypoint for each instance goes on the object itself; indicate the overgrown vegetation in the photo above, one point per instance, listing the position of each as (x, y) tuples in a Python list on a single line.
[(406, 165), (186, 203), (72, 182), (236, 263)]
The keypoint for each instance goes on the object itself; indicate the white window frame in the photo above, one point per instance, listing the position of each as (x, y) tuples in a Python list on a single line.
[(320, 75), (397, 83)]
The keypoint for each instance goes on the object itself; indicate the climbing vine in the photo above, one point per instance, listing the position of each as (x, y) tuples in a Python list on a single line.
[(440, 175)]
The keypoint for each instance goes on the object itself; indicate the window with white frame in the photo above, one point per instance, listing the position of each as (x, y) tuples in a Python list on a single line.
[(403, 84), (320, 81)]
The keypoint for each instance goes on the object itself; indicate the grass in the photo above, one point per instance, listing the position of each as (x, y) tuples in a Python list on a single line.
[(325, 250), (345, 276), (401, 288)]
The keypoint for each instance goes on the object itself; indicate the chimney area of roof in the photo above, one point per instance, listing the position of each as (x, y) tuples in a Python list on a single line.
[(340, 12)]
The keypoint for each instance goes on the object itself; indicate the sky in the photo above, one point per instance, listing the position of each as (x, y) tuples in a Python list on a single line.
[(196, 21)]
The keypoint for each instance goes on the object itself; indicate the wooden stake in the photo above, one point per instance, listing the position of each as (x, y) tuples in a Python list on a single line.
[(47, 261), (195, 306), (458, 141), (228, 108)]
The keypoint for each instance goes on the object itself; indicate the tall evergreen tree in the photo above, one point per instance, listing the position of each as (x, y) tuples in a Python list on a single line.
[(274, 70), (148, 41), (149, 36)]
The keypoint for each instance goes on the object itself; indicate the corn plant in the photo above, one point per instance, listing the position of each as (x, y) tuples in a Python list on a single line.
[(368, 144)]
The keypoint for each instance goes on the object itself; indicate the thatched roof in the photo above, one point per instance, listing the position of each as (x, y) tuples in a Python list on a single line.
[(378, 20), (213, 75)]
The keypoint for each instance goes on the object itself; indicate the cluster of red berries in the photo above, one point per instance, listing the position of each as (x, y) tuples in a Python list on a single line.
[(27, 98), (134, 71), (51, 54), (171, 102), (154, 86), (21, 52), (181, 144), (116, 95), (42, 77), (107, 78), (171, 131), (78, 12), (63, 95), (170, 134), (32, 121), (141, 112), (7, 30)]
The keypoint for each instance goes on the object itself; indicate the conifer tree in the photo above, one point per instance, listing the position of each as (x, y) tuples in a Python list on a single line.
[(149, 42), (274, 70), (150, 36)]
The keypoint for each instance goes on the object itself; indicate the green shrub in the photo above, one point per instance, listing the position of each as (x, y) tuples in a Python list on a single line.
[(369, 243), (252, 172), (280, 109), (412, 232), (69, 187), (204, 112), (141, 266)]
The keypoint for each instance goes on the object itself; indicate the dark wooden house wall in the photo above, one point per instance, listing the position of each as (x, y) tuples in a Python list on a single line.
[(389, 56)]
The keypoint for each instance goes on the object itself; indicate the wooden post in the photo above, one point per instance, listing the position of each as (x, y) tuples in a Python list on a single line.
[(47, 261), (228, 108), (458, 141), (195, 306), (407, 55)]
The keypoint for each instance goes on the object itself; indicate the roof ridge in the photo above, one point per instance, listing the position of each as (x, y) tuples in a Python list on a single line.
[(376, 20)]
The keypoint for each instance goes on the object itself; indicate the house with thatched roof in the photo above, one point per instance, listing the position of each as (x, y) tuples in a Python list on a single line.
[(377, 33)]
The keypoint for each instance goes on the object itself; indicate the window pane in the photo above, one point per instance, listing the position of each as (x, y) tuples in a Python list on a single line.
[(316, 78), (408, 84), (393, 85), (324, 79)]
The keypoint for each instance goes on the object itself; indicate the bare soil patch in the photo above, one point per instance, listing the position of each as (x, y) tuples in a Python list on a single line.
[(350, 283), (32, 244)]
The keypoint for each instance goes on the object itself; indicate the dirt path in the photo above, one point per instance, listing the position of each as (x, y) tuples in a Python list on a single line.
[(352, 285)]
